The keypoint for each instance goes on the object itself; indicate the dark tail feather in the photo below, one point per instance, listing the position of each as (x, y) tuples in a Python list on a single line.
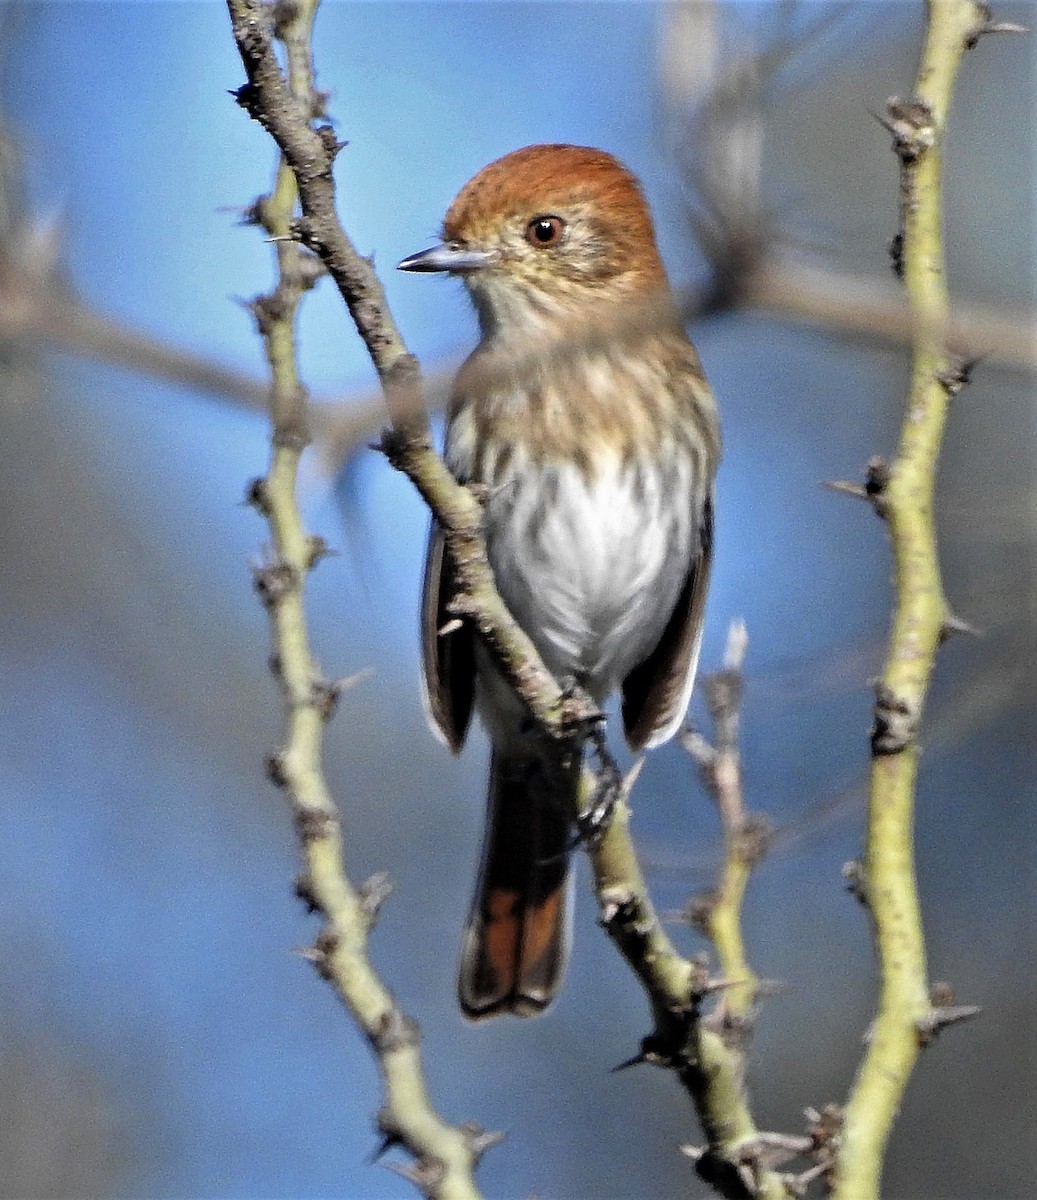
[(516, 943)]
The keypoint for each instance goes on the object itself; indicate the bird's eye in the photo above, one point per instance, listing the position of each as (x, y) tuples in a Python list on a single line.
[(543, 232)]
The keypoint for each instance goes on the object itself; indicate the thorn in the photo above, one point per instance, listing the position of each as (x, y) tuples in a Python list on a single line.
[(957, 374), (304, 891), (247, 96), (451, 626), (324, 947), (693, 1152), (653, 1051), (943, 1014), (425, 1175), (373, 893), (896, 254), (856, 881), (876, 480), (480, 1140), (256, 496), (276, 771), (798, 1185), (391, 1134), (348, 682), (772, 1150), (718, 985), (989, 25), (846, 488), (627, 1063), (329, 140), (631, 777), (953, 625), (736, 645)]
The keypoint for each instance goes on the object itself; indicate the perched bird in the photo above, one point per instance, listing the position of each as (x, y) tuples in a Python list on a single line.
[(585, 416)]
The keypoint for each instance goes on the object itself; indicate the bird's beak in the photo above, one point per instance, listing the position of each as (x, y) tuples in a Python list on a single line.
[(450, 256)]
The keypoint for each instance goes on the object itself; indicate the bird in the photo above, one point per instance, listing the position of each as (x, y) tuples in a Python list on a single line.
[(584, 419)]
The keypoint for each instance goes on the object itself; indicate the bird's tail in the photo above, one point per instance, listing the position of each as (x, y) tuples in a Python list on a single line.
[(516, 942)]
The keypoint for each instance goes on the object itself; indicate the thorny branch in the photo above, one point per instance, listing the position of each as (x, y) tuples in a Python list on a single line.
[(909, 1015), (444, 1157)]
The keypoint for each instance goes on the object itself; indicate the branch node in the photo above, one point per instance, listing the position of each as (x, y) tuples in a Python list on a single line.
[(256, 496), (873, 489), (394, 1031), (329, 140), (324, 947), (324, 697), (316, 549), (912, 124), (617, 906), (896, 722), (988, 25), (273, 581), (480, 1140), (313, 824), (956, 375)]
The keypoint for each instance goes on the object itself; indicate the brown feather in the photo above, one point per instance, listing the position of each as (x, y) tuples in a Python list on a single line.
[(448, 659)]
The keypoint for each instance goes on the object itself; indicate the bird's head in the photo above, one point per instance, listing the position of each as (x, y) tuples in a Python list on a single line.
[(547, 234)]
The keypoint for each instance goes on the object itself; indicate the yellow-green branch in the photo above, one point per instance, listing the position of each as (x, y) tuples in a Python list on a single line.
[(904, 497)]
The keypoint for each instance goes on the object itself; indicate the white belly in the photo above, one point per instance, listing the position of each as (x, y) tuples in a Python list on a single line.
[(592, 569)]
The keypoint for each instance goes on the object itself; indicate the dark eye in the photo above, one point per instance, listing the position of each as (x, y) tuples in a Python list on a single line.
[(545, 231)]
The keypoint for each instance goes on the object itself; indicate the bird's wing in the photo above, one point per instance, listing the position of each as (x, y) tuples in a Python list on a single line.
[(447, 659), (657, 691)]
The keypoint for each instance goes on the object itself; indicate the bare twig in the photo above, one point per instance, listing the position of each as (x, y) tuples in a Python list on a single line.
[(746, 836)]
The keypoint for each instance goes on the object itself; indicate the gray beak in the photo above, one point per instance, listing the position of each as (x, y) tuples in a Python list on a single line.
[(451, 256)]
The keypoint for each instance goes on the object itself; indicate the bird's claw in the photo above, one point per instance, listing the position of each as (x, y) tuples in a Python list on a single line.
[(593, 822)]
